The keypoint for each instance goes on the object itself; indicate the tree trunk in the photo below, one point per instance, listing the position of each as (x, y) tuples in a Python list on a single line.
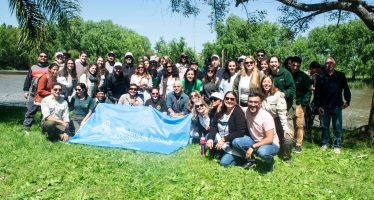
[(370, 129)]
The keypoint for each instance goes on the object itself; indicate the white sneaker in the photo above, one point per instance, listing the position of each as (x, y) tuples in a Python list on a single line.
[(324, 147), (337, 150)]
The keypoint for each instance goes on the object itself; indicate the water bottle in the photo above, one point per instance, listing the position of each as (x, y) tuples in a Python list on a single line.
[(202, 144)]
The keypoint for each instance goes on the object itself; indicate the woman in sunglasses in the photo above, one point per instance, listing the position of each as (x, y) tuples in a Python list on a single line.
[(200, 113), (143, 80), (248, 80), (82, 105), (210, 82), (132, 98), (193, 97), (229, 123)]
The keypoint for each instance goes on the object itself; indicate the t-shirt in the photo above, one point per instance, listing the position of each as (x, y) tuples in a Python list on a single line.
[(81, 107), (159, 105), (244, 88), (259, 124)]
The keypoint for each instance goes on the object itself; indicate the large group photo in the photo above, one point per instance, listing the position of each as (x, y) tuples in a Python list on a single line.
[(245, 118)]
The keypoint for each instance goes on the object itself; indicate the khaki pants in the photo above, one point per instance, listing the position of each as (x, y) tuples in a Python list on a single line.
[(53, 129), (299, 123)]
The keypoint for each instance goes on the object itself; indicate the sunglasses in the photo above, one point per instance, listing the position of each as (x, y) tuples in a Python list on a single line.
[(57, 90), (198, 106), (250, 62), (77, 89), (209, 70), (43, 56), (261, 55), (229, 98), (193, 95), (154, 93), (135, 89)]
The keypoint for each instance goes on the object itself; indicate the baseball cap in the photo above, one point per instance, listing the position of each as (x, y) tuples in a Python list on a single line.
[(128, 54), (111, 52), (216, 95), (214, 56), (59, 54), (117, 64)]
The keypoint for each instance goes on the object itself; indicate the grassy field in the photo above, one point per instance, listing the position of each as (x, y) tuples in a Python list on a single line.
[(33, 168)]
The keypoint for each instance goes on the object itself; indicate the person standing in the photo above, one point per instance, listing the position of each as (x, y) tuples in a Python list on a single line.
[(331, 86), (81, 63), (111, 60), (303, 95), (35, 71), (128, 68)]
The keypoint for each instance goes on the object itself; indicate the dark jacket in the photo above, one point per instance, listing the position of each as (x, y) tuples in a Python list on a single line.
[(128, 71), (34, 71), (329, 90), (303, 90), (116, 86), (284, 82), (237, 125)]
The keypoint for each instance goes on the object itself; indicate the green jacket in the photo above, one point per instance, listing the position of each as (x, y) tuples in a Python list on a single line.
[(303, 91), (188, 88), (284, 82)]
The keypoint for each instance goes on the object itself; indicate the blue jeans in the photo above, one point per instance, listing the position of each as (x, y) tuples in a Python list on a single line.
[(334, 114), (266, 152)]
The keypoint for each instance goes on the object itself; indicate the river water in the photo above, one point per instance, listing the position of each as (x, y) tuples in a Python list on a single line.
[(356, 115)]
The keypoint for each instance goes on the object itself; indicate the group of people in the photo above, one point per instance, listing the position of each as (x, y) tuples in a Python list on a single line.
[(250, 106)]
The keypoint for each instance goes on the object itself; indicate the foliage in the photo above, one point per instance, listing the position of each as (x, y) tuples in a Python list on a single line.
[(32, 168), (33, 16), (174, 48), (97, 38)]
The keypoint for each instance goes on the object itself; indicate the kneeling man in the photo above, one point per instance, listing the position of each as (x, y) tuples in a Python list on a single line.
[(55, 113), (263, 140)]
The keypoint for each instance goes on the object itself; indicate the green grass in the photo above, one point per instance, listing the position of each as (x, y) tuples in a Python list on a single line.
[(33, 168)]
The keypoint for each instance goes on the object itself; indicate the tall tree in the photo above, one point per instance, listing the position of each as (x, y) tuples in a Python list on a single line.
[(34, 15), (296, 14)]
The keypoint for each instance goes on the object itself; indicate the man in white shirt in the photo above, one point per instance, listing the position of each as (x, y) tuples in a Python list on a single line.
[(263, 140), (55, 113)]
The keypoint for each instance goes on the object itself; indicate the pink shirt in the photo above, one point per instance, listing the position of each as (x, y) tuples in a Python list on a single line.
[(259, 124)]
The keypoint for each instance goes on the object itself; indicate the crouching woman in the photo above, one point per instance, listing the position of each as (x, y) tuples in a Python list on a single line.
[(229, 123)]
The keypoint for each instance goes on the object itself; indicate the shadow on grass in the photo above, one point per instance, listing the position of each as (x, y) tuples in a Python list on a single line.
[(351, 138), (12, 114)]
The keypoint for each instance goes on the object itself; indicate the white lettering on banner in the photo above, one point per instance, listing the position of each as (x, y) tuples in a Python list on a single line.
[(121, 135)]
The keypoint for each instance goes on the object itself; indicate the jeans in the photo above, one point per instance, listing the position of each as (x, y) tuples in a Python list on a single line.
[(32, 109), (266, 152), (334, 114)]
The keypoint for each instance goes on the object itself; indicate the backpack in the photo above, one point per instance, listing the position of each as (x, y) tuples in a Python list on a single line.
[(34, 85)]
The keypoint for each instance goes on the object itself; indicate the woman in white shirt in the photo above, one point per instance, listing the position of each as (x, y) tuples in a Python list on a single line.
[(143, 80), (228, 77), (249, 79)]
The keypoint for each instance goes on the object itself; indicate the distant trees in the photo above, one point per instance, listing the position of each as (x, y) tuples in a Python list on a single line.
[(98, 38), (174, 48)]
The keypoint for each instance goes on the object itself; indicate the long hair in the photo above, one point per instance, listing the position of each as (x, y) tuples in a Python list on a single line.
[(186, 82), (255, 79), (273, 89), (175, 72), (194, 112), (206, 78), (65, 72), (101, 70), (226, 74), (83, 87), (145, 73), (223, 107), (190, 103), (87, 71)]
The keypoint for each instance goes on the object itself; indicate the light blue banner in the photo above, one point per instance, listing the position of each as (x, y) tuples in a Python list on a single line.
[(134, 127)]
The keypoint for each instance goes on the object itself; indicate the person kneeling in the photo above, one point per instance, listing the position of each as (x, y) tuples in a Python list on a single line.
[(55, 113), (263, 140), (229, 123)]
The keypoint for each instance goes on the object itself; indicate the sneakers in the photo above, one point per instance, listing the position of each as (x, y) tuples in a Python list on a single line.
[(249, 164), (337, 150), (298, 149), (324, 147)]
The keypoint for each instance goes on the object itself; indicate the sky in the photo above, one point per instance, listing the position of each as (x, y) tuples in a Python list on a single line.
[(154, 18)]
